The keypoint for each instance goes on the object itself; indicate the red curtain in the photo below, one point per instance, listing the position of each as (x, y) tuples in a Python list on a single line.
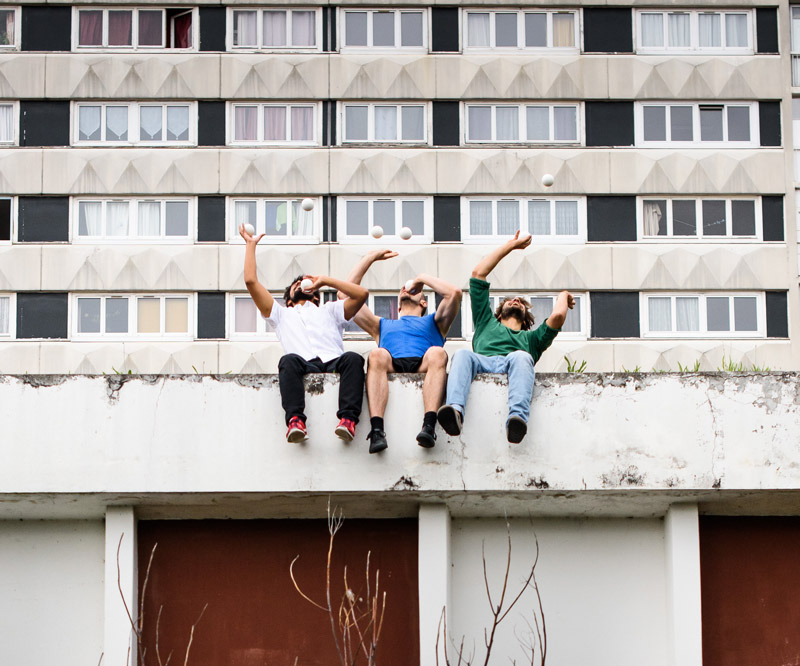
[(119, 28), (90, 32), (182, 27)]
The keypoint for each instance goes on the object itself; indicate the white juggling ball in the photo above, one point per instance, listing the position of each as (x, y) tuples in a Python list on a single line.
[(409, 285), (305, 285), (548, 180), (307, 204), (405, 233), (249, 228), (376, 231)]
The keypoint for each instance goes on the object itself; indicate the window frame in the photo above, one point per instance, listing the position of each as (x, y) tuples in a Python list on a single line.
[(341, 220), (260, 106), (133, 300), (696, 142), (15, 46), (12, 318), (694, 47), (134, 112), (235, 238), (703, 332), (522, 123), (576, 28), (133, 203), (14, 141), (371, 106), (699, 237), (342, 28), (12, 222), (261, 334), (167, 29), (229, 32)]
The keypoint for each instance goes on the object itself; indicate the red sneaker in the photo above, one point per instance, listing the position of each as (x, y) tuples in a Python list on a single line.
[(297, 430), (346, 430)]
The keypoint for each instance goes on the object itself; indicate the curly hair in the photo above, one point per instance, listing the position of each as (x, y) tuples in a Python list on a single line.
[(287, 293), (526, 321)]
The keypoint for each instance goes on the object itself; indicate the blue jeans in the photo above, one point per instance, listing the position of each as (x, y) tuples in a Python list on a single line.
[(517, 365)]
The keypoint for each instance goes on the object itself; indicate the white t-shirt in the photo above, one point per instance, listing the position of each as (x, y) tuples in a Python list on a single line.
[(310, 331)]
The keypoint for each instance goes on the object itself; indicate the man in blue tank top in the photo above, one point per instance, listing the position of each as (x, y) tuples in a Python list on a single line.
[(411, 343)]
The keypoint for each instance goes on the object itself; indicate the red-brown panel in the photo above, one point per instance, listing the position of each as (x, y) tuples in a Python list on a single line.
[(255, 617), (750, 569)]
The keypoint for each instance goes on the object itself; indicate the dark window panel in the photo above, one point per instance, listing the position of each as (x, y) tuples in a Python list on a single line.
[(446, 130), (607, 30), (211, 123), (444, 29), (46, 28), (615, 314), (455, 327), (329, 29), (43, 219), (41, 315), (5, 219), (211, 314), (609, 123), (446, 219), (772, 218), (769, 115), (611, 218), (328, 123), (212, 28), (44, 123), (328, 219), (766, 30), (777, 315), (211, 223)]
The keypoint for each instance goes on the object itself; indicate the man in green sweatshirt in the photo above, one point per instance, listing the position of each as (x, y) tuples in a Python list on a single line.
[(504, 342)]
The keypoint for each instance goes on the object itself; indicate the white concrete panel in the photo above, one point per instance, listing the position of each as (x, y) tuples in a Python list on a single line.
[(20, 267), (274, 171), (269, 76), (366, 76), (20, 357), (22, 75), (51, 586), (434, 576), (392, 274), (602, 581), (121, 589), (384, 172), (277, 265), (21, 171)]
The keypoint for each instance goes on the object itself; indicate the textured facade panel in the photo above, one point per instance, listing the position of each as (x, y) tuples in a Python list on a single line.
[(130, 267), (20, 171), (132, 76), (392, 274), (258, 76), (21, 357), (276, 171), (20, 267), (383, 77), (381, 172), (278, 265), (22, 75), (161, 171)]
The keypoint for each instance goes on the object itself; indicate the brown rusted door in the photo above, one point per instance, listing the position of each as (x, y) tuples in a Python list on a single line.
[(255, 617)]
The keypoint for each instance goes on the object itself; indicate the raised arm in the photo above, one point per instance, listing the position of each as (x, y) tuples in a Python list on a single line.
[(488, 263), (564, 302), (355, 294), (451, 300), (365, 319), (258, 292)]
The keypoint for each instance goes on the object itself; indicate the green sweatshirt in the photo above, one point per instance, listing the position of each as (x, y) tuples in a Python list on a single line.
[(493, 338)]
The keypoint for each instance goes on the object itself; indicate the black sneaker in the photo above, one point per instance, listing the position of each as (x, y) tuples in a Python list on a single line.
[(427, 436), (377, 441), (516, 429), (450, 419)]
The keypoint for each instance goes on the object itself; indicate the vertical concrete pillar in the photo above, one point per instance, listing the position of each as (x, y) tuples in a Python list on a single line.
[(118, 638), (434, 576), (683, 581)]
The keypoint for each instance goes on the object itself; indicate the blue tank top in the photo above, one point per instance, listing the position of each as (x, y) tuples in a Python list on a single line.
[(410, 336)]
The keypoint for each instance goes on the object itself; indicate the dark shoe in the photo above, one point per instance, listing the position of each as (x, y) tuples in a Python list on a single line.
[(427, 437), (516, 429), (450, 419), (377, 441)]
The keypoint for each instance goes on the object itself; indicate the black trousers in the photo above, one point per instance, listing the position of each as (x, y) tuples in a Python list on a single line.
[(350, 366)]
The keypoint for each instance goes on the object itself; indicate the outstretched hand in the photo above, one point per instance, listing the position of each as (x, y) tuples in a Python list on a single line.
[(518, 243), (382, 255), (247, 237)]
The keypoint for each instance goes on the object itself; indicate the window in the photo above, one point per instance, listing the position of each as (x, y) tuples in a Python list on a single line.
[(124, 28), (135, 123), (280, 219), (9, 35), (732, 125), (687, 31), (711, 219), (357, 216), (9, 134), (520, 30), (550, 220), (7, 210), (274, 29), (795, 23), (273, 123), (389, 123), (133, 316), (382, 305), (575, 326), (7, 315), (703, 315), (522, 123), (247, 321), (133, 219), (380, 28), (796, 137)]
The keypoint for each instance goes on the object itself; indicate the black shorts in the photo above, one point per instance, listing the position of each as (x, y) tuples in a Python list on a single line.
[(408, 364)]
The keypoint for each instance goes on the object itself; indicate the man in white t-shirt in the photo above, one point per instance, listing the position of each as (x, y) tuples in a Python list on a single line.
[(311, 335)]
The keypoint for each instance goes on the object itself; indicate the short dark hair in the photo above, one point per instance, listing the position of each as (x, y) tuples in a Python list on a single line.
[(527, 320)]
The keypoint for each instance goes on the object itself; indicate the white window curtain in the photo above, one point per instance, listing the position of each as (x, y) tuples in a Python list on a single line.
[(176, 315), (413, 123), (478, 29), (385, 123), (507, 218), (565, 123), (150, 123), (244, 212), (177, 123), (149, 218), (680, 30), (90, 218), (539, 218), (541, 307), (710, 30), (304, 31), (651, 212), (245, 28), (117, 218), (274, 123), (5, 312), (659, 313), (116, 123), (6, 122), (302, 123), (245, 123), (274, 28), (566, 218), (687, 314), (563, 29), (89, 123), (795, 70), (736, 30), (507, 123), (480, 218), (795, 29), (303, 224), (538, 121), (7, 28), (652, 30), (573, 321), (244, 315)]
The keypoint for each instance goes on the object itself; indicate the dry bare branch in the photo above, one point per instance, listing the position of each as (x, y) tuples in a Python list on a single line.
[(191, 635)]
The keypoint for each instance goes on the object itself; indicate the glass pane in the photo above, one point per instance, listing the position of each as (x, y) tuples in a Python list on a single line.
[(535, 29), (538, 123), (478, 29), (680, 31), (566, 218), (244, 28), (177, 123), (355, 29), (565, 123), (738, 123), (89, 123), (88, 315), (480, 123), (414, 216), (541, 307), (795, 36), (687, 314), (383, 29), (244, 315), (507, 218), (717, 313), (573, 321), (150, 28), (177, 222), (90, 28), (659, 313), (744, 218), (383, 214), (302, 123), (736, 30), (304, 30), (176, 314), (245, 123), (711, 123), (274, 123), (117, 218), (150, 123), (274, 28), (539, 218), (276, 218), (480, 218), (505, 29), (116, 123), (355, 123), (563, 29), (116, 315), (709, 27), (120, 28), (684, 218), (411, 29), (6, 37), (714, 218), (149, 223), (744, 313), (358, 218), (680, 123), (90, 218), (386, 307), (413, 118), (385, 123), (654, 217), (652, 30), (507, 120), (655, 123), (244, 212)]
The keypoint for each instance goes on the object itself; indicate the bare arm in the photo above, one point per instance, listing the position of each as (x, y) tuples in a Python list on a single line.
[(365, 319), (488, 263), (564, 301), (258, 292), (451, 300), (355, 294)]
